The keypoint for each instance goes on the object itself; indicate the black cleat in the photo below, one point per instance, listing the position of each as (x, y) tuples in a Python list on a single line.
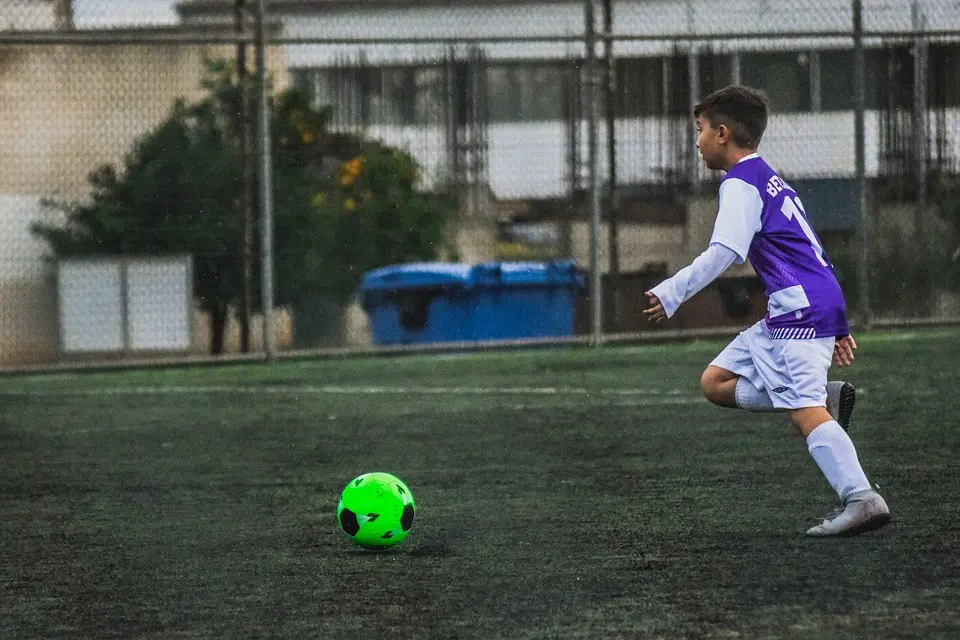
[(841, 398)]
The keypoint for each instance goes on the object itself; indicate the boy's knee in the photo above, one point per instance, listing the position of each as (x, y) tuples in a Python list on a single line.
[(717, 386), (710, 386)]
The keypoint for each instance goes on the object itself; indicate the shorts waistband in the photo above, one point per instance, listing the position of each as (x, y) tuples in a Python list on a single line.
[(788, 333)]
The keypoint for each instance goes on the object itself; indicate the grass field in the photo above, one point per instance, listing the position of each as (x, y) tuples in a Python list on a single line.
[(561, 494)]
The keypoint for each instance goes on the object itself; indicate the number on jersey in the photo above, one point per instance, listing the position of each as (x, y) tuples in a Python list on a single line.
[(794, 210)]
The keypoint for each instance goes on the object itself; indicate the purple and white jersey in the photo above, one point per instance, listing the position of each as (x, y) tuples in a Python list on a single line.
[(761, 219)]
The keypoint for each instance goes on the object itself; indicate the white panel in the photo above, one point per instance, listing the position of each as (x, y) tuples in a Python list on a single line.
[(158, 304), (101, 14), (528, 159), (308, 56), (21, 252), (897, 15), (91, 306), (810, 145), (430, 21)]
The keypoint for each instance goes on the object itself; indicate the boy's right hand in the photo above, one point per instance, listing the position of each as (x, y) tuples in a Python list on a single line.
[(656, 313), (843, 351)]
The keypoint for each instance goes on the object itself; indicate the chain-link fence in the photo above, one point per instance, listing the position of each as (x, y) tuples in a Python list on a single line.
[(478, 132)]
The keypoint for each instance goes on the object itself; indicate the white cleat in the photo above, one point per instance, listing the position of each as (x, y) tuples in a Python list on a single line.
[(841, 397), (864, 511)]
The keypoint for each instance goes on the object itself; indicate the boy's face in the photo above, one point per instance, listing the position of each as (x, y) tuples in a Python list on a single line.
[(712, 143)]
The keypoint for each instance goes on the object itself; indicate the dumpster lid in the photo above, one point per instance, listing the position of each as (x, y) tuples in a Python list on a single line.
[(563, 272), (419, 275), (424, 275)]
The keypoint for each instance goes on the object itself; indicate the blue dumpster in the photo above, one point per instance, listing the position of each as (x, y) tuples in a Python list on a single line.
[(445, 302)]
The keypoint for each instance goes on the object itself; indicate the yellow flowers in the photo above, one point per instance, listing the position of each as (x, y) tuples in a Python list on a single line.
[(350, 171)]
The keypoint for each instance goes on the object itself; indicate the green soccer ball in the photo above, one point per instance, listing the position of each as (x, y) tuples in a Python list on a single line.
[(376, 511)]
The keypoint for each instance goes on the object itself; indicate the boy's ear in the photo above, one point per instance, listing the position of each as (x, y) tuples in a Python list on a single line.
[(723, 134)]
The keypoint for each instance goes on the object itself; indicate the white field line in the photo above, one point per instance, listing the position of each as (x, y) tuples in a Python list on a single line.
[(343, 390), (639, 402)]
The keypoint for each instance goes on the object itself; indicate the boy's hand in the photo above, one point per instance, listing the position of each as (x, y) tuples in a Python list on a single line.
[(655, 314), (843, 351)]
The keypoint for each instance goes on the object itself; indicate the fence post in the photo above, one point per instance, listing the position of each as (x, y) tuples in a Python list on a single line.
[(593, 160), (246, 175), (612, 307), (264, 159), (863, 216)]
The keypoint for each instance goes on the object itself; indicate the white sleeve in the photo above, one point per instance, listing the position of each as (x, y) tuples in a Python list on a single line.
[(738, 219), (688, 281)]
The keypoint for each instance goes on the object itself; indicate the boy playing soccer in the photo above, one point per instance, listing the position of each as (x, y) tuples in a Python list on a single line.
[(780, 363)]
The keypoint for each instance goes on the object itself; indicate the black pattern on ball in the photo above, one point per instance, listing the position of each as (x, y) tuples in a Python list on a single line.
[(349, 522), (406, 520)]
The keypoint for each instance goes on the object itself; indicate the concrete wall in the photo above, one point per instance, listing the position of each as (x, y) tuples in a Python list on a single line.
[(66, 110), (26, 15)]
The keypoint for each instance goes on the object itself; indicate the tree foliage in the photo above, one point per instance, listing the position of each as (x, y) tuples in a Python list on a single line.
[(180, 190)]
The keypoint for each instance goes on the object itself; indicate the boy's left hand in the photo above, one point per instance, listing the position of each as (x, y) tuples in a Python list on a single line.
[(655, 314), (843, 351)]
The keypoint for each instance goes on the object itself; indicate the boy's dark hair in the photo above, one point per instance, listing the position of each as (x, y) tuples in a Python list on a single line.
[(743, 110)]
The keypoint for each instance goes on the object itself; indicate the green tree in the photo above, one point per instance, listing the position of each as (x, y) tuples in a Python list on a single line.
[(374, 216), (181, 184)]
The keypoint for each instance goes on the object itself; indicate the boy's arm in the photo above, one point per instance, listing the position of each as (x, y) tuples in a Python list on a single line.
[(671, 293), (738, 220)]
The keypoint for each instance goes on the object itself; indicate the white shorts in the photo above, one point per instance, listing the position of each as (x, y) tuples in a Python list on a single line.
[(794, 372)]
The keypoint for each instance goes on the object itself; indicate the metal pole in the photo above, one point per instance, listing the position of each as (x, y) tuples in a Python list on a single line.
[(610, 113), (265, 158), (920, 135), (63, 15), (863, 231), (596, 283), (246, 173)]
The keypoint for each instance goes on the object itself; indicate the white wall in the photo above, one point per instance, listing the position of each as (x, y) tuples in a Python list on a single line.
[(28, 15), (666, 18)]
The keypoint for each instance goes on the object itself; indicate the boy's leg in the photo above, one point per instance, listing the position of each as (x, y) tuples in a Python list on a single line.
[(795, 373), (732, 379), (833, 451), (727, 389), (719, 386)]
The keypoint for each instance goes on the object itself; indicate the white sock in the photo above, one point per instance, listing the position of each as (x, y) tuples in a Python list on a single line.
[(836, 456), (752, 399)]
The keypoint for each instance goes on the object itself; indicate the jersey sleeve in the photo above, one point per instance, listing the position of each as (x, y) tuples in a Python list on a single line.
[(688, 281), (738, 219)]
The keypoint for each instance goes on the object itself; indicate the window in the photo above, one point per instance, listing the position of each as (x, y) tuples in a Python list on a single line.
[(378, 95), (525, 92), (889, 78), (643, 92), (429, 102), (785, 77), (639, 87), (944, 81), (715, 72), (341, 90), (390, 96), (836, 80)]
